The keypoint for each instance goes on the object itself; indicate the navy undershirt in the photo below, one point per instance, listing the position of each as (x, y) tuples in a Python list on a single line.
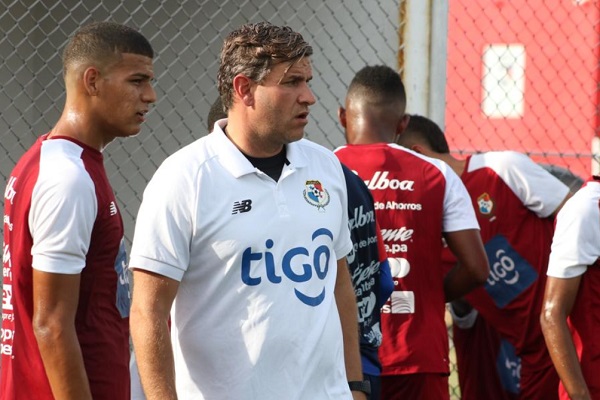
[(271, 166)]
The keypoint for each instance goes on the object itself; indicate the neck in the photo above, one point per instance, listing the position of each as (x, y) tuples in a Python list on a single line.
[(74, 124), (457, 165), (242, 137)]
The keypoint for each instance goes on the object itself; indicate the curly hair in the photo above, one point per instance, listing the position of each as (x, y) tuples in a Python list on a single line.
[(252, 50), (101, 43)]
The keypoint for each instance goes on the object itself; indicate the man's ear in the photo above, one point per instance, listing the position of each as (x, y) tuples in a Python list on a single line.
[(243, 89), (342, 116), (402, 124), (419, 149), (91, 80)]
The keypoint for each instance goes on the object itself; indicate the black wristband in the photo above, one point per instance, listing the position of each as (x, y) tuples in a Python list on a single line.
[(360, 386)]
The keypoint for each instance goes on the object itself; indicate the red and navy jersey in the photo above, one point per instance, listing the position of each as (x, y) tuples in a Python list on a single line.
[(369, 269), (416, 200), (61, 217)]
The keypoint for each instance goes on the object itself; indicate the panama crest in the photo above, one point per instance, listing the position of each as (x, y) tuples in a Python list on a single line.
[(316, 195), (485, 204)]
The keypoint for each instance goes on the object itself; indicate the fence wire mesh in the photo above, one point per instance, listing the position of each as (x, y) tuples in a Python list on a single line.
[(521, 75)]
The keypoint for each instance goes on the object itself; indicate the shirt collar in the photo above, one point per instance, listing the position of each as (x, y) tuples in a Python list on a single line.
[(232, 159)]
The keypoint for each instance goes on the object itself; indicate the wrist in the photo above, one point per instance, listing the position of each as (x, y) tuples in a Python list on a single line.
[(360, 386)]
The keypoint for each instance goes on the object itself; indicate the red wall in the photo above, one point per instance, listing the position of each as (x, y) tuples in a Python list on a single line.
[(561, 78)]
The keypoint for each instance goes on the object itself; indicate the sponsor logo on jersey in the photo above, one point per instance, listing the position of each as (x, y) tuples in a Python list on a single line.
[(396, 235), (380, 181), (392, 205), (510, 274), (361, 218), (241, 206), (7, 336), (401, 302), (509, 367), (113, 208), (123, 292), (8, 223), (10, 192), (316, 195), (298, 264), (485, 204), (7, 297)]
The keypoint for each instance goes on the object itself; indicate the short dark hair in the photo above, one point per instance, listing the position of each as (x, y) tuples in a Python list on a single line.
[(101, 42), (252, 50), (215, 113), (379, 83), (423, 130)]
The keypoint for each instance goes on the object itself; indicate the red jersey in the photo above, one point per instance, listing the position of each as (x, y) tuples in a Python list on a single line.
[(488, 367), (513, 196), (61, 217), (416, 199), (576, 252)]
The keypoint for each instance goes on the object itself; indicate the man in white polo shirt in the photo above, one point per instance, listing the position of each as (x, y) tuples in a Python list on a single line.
[(244, 235)]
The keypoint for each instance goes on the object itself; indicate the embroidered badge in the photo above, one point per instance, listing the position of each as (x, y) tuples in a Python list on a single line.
[(485, 204), (316, 195)]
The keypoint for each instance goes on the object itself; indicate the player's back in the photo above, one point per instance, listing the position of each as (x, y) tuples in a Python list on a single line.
[(409, 191)]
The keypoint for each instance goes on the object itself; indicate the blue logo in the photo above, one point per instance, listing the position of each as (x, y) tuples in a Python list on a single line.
[(123, 293), (510, 274), (318, 261), (509, 367)]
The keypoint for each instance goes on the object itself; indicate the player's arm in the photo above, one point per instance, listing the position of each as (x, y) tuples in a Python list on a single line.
[(558, 301), (472, 268), (153, 296), (55, 300), (347, 309)]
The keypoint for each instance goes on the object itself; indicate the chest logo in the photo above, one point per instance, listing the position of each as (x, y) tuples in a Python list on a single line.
[(316, 195), (242, 206), (485, 204)]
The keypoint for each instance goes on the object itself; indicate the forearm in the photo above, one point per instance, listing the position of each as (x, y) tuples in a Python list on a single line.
[(564, 356), (347, 309), (63, 361), (458, 282), (151, 341), (472, 268)]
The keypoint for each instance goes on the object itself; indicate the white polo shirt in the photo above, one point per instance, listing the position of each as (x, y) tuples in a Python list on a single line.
[(255, 314)]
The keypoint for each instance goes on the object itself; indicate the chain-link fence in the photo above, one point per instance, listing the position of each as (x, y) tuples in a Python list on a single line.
[(520, 75), (187, 36), (523, 75)]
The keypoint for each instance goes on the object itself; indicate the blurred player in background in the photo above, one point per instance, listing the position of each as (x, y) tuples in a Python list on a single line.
[(571, 314), (417, 200), (516, 201)]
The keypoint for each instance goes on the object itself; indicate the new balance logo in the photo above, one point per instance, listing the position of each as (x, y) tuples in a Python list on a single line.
[(242, 206), (113, 208)]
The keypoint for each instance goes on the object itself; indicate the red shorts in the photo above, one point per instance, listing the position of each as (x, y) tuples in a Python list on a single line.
[(415, 386)]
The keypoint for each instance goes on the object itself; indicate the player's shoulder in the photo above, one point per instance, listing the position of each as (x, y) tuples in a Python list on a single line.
[(500, 160), (585, 200), (62, 165), (309, 152), (412, 159), (314, 148)]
